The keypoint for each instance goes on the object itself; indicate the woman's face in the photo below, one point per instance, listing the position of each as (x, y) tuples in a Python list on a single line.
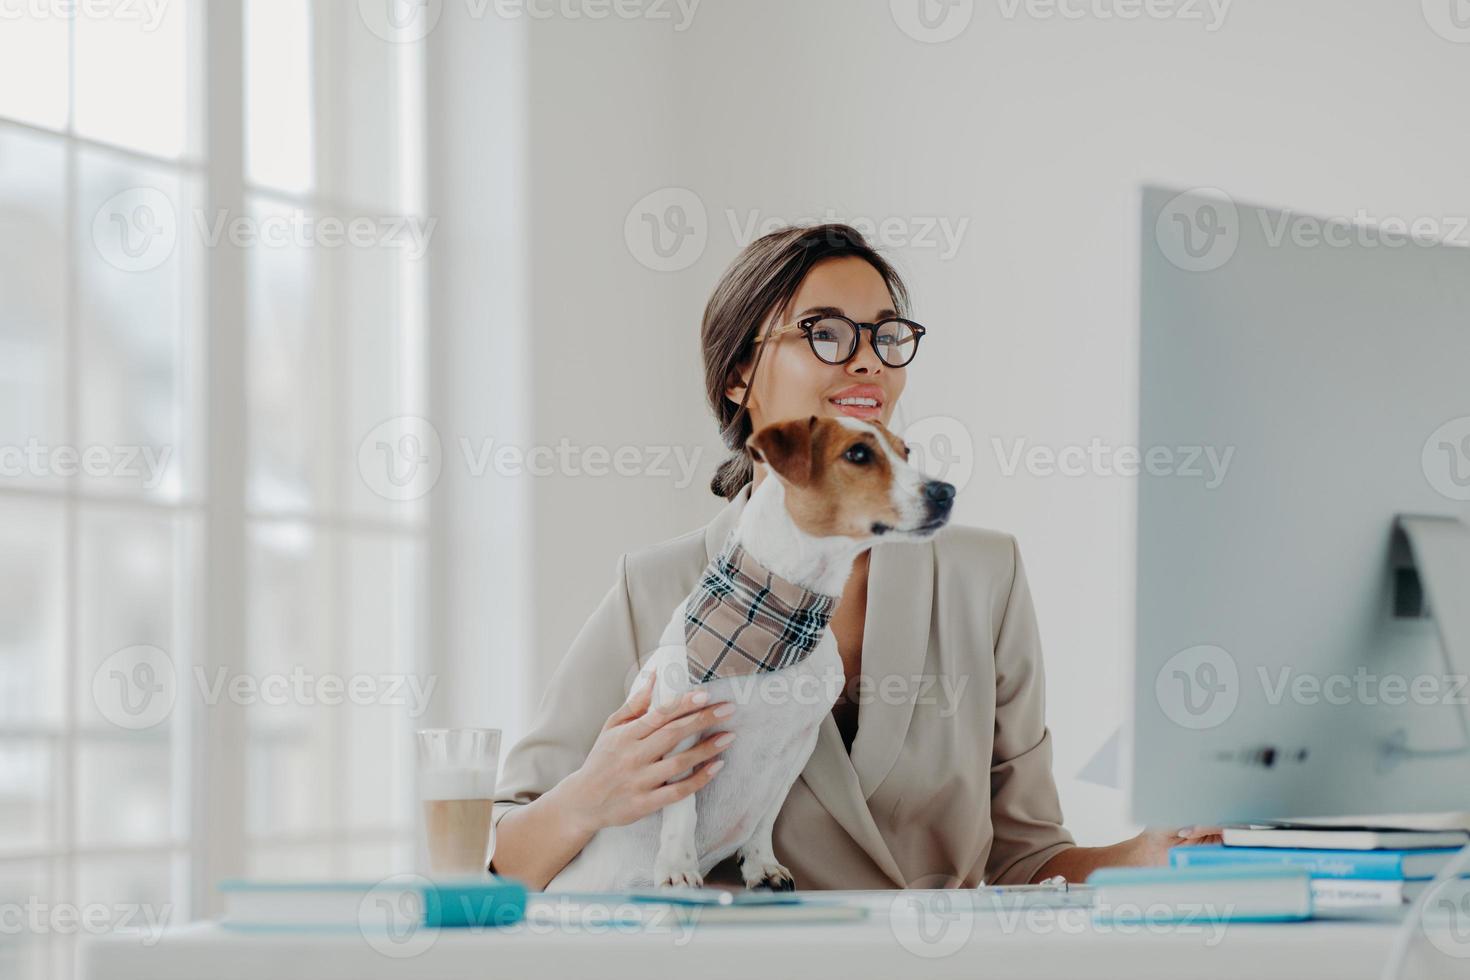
[(795, 383)]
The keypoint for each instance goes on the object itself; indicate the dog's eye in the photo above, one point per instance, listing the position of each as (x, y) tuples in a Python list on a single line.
[(907, 452), (858, 453)]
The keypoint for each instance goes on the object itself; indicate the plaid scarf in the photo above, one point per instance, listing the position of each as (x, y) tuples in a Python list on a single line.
[(743, 619)]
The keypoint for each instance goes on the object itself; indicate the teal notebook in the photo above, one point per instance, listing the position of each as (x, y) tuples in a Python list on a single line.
[(1231, 893), (398, 901)]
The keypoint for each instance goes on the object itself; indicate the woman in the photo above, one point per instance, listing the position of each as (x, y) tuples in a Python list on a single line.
[(934, 768)]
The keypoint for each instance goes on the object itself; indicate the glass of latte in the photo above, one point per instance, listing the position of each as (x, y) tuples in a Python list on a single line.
[(456, 784)]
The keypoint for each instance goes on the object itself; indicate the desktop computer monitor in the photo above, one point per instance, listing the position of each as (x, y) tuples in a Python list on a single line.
[(1303, 518)]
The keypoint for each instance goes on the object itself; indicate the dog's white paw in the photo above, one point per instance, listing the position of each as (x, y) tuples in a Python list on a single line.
[(680, 871), (770, 876), (681, 879)]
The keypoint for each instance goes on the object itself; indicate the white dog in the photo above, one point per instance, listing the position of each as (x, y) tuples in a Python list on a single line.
[(754, 632)]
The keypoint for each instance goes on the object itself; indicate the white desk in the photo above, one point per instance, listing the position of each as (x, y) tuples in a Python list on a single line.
[(893, 943)]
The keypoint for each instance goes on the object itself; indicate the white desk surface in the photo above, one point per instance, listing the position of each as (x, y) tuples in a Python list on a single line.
[(894, 942)]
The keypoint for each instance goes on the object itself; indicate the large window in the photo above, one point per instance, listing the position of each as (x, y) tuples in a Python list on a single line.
[(141, 514)]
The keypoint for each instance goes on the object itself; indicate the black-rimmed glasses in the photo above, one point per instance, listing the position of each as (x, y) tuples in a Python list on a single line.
[(834, 338)]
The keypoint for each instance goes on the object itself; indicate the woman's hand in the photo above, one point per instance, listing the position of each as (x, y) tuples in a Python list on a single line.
[(1149, 848), (1152, 846), (626, 775)]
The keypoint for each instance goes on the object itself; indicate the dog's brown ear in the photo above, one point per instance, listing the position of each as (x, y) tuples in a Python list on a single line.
[(786, 447)]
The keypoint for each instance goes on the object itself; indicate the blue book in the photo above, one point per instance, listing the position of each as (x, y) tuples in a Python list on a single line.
[(1376, 865), (401, 902), (1201, 896)]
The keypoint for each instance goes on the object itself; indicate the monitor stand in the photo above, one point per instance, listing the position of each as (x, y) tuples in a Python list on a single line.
[(1431, 568)]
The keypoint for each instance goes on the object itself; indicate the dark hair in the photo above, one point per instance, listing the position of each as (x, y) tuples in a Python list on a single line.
[(762, 280)]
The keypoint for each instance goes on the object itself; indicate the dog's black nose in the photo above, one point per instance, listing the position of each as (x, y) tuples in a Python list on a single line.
[(939, 495)]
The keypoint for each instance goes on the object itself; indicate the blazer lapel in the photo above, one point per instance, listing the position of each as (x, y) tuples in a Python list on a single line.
[(895, 644), (895, 647)]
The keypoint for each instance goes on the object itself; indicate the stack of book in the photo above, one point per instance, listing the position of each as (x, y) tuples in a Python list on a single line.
[(1349, 867)]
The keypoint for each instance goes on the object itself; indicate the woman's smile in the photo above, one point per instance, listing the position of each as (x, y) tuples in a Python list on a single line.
[(859, 401)]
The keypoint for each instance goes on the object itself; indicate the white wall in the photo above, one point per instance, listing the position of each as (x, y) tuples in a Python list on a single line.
[(1034, 131)]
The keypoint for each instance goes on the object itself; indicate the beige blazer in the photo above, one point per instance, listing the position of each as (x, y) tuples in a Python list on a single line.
[(949, 782)]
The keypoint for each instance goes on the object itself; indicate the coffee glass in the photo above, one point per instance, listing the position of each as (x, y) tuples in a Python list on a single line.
[(456, 784)]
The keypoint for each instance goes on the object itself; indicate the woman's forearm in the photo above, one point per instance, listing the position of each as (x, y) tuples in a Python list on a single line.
[(1076, 863), (534, 842)]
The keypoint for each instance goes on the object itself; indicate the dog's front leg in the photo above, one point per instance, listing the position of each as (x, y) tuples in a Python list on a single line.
[(677, 863), (758, 864)]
